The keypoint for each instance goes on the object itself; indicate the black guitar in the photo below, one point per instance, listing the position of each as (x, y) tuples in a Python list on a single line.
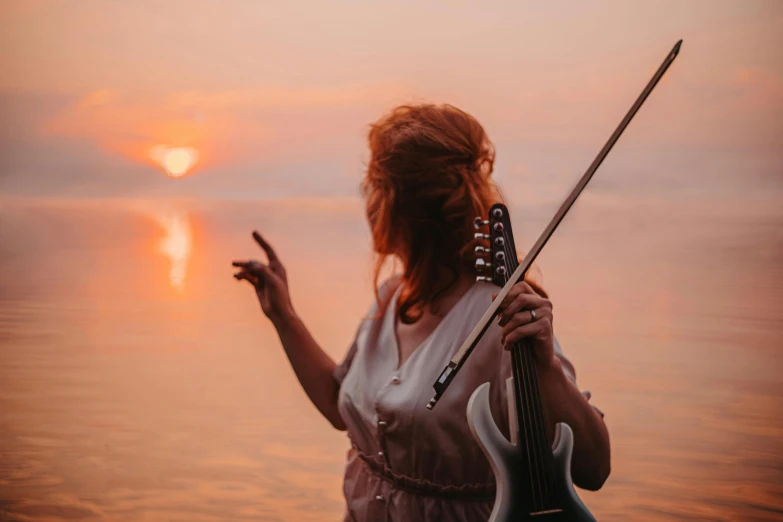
[(533, 481)]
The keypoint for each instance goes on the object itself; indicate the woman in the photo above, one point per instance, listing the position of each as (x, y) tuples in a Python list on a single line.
[(428, 177)]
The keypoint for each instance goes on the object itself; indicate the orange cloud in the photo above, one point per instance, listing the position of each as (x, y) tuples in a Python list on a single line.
[(222, 126), (273, 125), (132, 127)]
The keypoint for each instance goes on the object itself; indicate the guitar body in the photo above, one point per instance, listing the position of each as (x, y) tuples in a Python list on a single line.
[(509, 467)]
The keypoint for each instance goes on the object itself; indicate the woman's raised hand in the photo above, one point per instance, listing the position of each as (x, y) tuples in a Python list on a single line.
[(269, 280)]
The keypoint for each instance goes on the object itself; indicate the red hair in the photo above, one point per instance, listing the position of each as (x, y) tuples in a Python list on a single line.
[(428, 177)]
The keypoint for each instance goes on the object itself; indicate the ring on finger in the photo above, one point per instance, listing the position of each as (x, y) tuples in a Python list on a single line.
[(532, 315)]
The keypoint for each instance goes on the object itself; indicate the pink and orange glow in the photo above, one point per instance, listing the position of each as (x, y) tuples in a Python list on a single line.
[(274, 87), (141, 142)]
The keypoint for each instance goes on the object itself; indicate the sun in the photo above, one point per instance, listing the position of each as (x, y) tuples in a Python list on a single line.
[(176, 161)]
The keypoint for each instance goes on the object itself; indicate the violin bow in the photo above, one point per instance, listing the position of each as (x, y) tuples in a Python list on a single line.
[(448, 373)]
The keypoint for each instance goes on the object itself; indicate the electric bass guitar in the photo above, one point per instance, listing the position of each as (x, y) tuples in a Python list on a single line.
[(533, 480)]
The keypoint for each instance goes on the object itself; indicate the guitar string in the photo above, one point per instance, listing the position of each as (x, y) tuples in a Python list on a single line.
[(523, 416), (539, 415), (542, 448), (542, 442), (536, 464), (550, 468), (528, 439), (534, 401), (543, 439), (536, 414), (536, 450), (524, 391)]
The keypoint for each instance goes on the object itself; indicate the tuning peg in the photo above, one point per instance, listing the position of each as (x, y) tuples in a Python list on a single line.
[(500, 256), (483, 279), (481, 264), (479, 235), (501, 270), (479, 250), (497, 213), (499, 241), (498, 227), (479, 222)]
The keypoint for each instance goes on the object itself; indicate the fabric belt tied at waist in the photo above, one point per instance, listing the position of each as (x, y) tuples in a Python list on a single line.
[(469, 491)]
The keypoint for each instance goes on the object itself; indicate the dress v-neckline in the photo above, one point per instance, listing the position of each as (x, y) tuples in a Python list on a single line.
[(392, 312)]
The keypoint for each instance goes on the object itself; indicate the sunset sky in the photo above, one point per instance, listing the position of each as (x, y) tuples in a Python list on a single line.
[(274, 98)]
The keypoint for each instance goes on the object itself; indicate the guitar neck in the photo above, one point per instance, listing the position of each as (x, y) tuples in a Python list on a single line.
[(531, 416), (531, 424)]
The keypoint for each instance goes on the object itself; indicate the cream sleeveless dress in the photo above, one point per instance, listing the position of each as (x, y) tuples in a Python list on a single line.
[(408, 463)]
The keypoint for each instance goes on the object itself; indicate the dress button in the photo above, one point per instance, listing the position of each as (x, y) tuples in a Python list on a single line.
[(378, 497), (395, 380), (380, 454), (381, 423)]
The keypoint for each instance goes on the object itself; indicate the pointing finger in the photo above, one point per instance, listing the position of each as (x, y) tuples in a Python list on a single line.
[(270, 252)]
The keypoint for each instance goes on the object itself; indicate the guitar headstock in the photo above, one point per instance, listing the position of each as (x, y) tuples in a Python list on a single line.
[(498, 258)]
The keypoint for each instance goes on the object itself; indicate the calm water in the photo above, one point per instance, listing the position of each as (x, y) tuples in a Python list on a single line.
[(139, 381)]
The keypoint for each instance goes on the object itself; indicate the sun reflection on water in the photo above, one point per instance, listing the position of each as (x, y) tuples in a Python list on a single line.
[(176, 245)]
